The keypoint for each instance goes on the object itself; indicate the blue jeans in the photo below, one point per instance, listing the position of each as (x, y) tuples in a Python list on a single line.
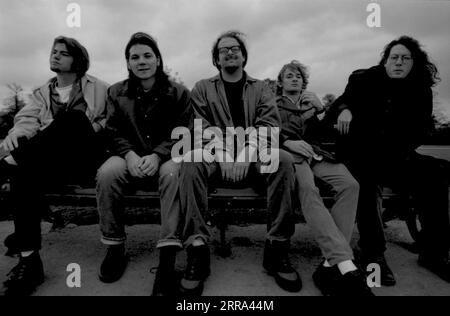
[(113, 178)]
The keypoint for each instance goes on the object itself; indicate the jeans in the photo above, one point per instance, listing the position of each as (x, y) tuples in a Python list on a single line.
[(113, 178), (194, 182), (332, 229)]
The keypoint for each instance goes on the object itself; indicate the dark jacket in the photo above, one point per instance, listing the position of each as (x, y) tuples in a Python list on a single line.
[(391, 117), (210, 104), (146, 127), (301, 124)]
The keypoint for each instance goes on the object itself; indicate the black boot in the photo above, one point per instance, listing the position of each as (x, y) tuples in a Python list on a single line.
[(166, 279), (197, 270), (114, 264), (25, 276), (276, 262)]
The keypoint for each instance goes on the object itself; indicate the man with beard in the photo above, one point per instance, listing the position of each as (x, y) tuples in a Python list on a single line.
[(230, 100)]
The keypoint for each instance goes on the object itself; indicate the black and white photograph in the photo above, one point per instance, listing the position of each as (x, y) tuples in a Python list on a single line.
[(225, 154)]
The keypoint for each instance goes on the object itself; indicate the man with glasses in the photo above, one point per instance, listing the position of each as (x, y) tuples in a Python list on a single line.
[(385, 113), (232, 100)]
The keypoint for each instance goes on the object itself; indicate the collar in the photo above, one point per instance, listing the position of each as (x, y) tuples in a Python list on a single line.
[(218, 77)]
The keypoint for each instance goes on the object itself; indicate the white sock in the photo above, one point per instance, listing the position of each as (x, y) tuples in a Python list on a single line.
[(25, 254), (10, 160), (198, 242), (346, 266), (326, 264)]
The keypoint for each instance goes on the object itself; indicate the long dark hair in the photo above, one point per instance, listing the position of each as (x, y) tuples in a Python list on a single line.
[(161, 78), (423, 69), (78, 52)]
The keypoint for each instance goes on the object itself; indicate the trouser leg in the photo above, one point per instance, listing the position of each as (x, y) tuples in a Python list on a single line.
[(280, 190), (172, 219), (112, 179), (194, 198), (334, 246)]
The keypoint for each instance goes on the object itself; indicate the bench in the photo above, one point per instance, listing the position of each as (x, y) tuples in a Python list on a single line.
[(222, 201)]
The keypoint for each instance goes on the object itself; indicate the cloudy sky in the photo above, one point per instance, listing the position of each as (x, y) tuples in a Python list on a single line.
[(331, 37)]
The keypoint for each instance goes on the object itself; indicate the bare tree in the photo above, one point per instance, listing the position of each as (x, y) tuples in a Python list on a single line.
[(174, 77), (13, 103)]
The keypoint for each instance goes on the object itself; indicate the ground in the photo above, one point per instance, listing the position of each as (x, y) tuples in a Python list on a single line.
[(240, 274)]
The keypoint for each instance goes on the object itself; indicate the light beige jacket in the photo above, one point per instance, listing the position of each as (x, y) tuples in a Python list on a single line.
[(36, 115)]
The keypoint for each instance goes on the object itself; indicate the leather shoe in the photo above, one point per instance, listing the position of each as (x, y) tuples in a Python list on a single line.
[(196, 272), (277, 264), (25, 276), (114, 264)]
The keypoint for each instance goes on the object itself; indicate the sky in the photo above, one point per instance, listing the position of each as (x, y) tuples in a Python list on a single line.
[(331, 37)]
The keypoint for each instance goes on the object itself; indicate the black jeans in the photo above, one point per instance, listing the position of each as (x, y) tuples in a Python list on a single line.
[(67, 151), (423, 178)]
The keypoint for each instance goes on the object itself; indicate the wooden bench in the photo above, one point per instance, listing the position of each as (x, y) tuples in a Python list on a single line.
[(224, 202)]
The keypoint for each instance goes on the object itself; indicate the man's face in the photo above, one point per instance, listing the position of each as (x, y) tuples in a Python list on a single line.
[(292, 81), (399, 62), (60, 59), (143, 61), (230, 54)]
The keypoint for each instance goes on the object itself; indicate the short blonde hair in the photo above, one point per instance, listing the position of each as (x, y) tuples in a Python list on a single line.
[(294, 65)]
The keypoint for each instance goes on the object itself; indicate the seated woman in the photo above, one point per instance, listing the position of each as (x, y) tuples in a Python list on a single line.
[(337, 274)]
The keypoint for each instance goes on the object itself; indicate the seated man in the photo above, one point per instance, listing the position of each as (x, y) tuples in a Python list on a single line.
[(234, 101), (386, 111), (53, 141), (142, 112), (337, 274)]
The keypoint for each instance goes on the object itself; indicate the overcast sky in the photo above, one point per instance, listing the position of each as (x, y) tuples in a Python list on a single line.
[(331, 37)]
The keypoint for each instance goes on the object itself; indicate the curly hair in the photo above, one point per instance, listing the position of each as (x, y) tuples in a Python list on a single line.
[(239, 37), (294, 65), (423, 69)]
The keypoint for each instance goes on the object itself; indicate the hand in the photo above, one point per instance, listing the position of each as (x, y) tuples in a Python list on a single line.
[(343, 122), (149, 164), (240, 170), (133, 161), (10, 142), (312, 99), (301, 147), (227, 171)]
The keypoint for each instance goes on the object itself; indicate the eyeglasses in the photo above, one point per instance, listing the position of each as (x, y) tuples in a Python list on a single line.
[(225, 50), (403, 58)]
